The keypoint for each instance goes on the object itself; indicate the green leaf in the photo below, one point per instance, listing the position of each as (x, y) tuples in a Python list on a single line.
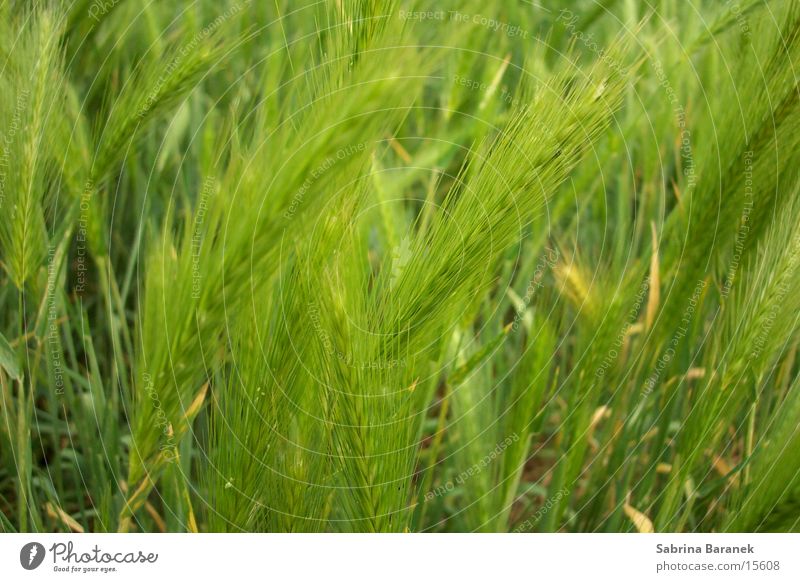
[(8, 360)]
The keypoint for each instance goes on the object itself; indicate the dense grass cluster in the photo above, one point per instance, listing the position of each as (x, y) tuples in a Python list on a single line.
[(387, 266)]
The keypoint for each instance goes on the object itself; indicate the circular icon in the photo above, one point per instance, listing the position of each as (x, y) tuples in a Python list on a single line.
[(31, 555)]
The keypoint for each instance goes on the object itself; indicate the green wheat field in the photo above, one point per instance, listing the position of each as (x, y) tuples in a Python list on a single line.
[(399, 266)]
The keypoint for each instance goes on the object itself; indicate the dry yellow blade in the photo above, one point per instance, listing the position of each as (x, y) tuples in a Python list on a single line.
[(695, 373), (159, 521), (400, 150), (599, 414), (58, 513), (639, 519), (194, 407)]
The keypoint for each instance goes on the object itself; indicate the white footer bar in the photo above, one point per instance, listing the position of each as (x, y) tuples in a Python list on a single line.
[(401, 557)]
